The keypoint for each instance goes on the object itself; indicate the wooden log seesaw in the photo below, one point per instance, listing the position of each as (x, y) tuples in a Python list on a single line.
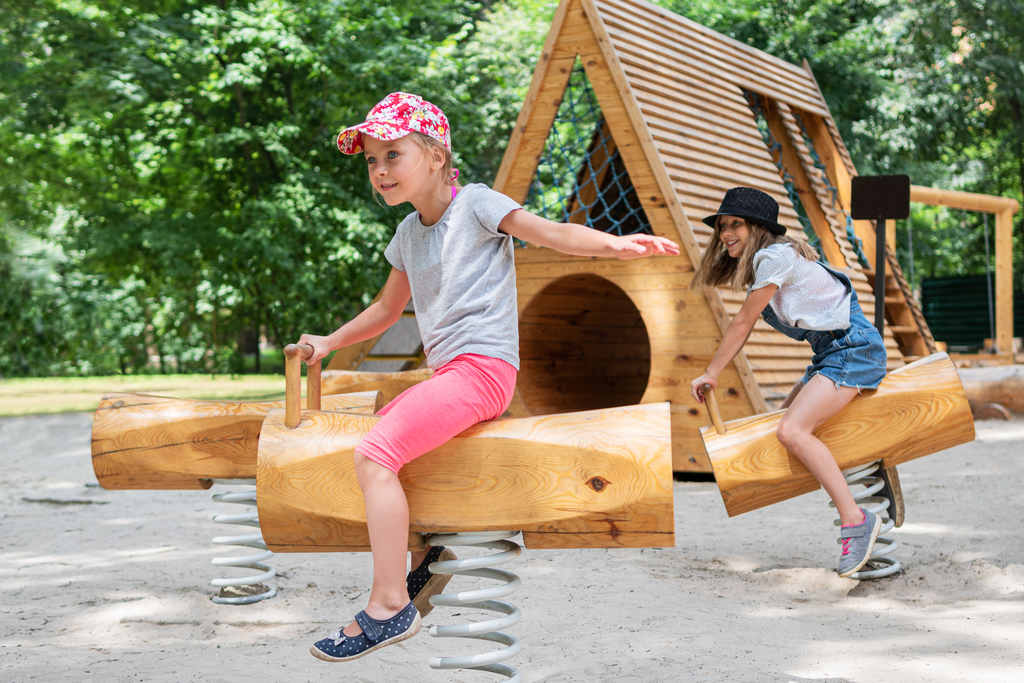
[(593, 479), (918, 409), (141, 441)]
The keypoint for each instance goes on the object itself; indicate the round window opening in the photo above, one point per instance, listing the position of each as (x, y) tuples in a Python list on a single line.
[(583, 345)]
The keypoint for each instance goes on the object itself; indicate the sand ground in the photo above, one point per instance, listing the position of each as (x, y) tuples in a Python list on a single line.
[(113, 586)]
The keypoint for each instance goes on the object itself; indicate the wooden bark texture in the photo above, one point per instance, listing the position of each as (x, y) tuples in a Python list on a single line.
[(141, 441), (599, 478), (389, 384), (919, 409)]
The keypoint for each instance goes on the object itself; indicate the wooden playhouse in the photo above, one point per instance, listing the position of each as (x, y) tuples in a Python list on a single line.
[(638, 119)]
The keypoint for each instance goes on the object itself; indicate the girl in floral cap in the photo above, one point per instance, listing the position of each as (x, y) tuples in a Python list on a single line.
[(454, 256)]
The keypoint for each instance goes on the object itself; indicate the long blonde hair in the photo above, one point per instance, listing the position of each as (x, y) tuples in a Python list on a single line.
[(718, 269)]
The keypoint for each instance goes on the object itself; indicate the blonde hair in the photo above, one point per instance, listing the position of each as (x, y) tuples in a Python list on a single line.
[(718, 269), (427, 143)]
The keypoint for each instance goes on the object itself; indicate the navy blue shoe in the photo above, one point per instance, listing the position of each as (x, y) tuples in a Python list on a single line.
[(421, 584), (376, 634)]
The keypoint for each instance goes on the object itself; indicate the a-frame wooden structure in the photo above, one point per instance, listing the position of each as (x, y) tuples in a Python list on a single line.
[(676, 99)]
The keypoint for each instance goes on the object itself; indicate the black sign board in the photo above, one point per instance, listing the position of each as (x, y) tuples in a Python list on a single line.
[(877, 198), (880, 196)]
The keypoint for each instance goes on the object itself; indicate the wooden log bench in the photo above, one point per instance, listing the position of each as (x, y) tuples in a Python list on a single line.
[(919, 409), (599, 478)]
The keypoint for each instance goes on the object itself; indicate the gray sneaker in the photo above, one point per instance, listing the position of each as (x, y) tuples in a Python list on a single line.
[(858, 542)]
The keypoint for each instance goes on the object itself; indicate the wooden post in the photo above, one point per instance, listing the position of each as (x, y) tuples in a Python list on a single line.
[(1004, 283), (294, 354)]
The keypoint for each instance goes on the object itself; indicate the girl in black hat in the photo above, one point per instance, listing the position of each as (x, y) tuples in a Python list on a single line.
[(805, 300)]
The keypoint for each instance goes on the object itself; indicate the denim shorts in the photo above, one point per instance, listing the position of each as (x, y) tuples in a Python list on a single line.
[(855, 358)]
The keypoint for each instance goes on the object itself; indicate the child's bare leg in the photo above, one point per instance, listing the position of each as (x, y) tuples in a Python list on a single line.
[(814, 403), (387, 520)]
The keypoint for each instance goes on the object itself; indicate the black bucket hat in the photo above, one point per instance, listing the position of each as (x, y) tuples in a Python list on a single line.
[(754, 205)]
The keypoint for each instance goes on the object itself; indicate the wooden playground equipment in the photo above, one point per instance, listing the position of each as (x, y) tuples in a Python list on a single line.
[(1003, 209), (140, 441), (753, 469), (592, 479), (636, 120), (595, 479)]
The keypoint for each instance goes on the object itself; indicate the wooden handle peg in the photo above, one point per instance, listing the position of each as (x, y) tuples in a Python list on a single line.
[(294, 354), (711, 403)]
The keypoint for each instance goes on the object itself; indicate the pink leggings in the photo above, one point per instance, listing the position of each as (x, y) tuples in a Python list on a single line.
[(464, 391)]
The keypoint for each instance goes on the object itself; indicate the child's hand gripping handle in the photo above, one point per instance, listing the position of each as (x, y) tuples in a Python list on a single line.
[(294, 354), (711, 403)]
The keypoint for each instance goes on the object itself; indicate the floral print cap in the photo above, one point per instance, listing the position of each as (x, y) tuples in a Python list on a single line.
[(397, 115)]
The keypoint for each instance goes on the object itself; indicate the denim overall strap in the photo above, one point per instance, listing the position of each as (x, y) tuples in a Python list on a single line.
[(813, 336)]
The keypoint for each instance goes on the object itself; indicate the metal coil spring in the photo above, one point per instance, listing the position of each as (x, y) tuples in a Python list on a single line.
[(869, 477), (242, 590), (481, 598)]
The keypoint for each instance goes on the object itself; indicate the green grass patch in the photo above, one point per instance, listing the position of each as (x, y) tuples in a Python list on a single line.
[(76, 394)]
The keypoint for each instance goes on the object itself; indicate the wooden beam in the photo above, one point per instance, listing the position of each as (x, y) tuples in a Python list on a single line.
[(1004, 208), (969, 201), (812, 203), (919, 409), (389, 384), (519, 163), (157, 442), (599, 478)]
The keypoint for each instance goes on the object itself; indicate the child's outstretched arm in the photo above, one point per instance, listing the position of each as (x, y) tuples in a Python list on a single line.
[(735, 337), (579, 240), (375, 319)]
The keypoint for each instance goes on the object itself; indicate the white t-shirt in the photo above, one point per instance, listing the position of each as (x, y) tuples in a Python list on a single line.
[(809, 297), (462, 276)]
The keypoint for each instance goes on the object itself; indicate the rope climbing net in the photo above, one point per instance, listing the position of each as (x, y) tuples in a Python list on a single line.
[(775, 150), (858, 246), (580, 177)]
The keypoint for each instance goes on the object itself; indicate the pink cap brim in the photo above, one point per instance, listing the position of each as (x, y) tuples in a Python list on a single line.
[(350, 140)]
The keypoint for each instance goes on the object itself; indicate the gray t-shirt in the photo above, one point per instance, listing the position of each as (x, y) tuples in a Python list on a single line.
[(463, 278)]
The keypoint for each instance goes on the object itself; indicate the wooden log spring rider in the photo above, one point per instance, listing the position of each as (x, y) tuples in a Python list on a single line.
[(918, 409), (594, 479), (156, 442)]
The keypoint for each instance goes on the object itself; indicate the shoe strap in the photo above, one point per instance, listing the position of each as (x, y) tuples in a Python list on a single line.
[(372, 628), (432, 555)]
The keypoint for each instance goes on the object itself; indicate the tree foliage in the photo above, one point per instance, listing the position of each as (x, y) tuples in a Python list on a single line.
[(170, 189)]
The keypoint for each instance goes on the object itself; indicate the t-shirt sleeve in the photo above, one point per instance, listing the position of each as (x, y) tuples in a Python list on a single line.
[(491, 207), (774, 266), (393, 252)]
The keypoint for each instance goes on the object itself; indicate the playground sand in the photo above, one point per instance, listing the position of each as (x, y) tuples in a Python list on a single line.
[(113, 586)]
